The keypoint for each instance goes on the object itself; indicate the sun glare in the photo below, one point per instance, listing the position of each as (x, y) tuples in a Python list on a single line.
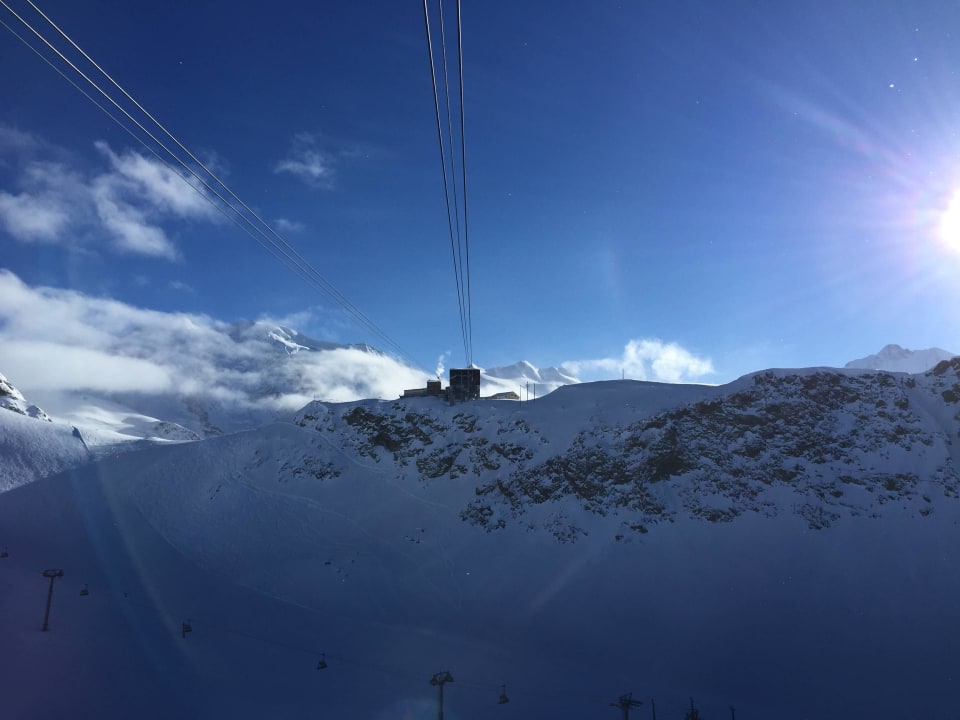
[(950, 224)]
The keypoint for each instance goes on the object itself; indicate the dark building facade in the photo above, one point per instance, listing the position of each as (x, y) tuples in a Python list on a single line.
[(464, 384), (433, 389)]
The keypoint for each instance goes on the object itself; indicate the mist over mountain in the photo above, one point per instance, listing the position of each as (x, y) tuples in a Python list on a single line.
[(226, 378), (610, 537), (212, 378)]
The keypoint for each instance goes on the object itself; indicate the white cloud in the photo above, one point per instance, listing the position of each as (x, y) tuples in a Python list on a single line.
[(307, 161), (181, 286), (128, 225), (53, 198), (13, 140), (54, 366), (285, 226), (646, 359), (30, 218), (157, 184), (131, 199), (54, 339)]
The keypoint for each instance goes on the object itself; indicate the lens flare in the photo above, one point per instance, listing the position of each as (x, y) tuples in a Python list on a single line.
[(950, 224)]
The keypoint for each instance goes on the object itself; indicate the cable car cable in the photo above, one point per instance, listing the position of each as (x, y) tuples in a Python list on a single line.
[(443, 166), (463, 169), (453, 182)]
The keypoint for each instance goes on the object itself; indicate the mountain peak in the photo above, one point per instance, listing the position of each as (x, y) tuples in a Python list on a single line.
[(13, 399), (525, 371), (895, 358)]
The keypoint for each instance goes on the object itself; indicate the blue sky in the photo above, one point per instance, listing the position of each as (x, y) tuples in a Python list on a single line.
[(720, 189)]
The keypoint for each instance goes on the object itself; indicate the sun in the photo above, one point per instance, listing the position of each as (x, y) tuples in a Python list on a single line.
[(950, 224)]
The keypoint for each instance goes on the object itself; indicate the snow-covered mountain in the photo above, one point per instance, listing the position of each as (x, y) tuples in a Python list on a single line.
[(894, 358), (844, 443), (12, 399), (785, 544), (288, 339), (519, 376)]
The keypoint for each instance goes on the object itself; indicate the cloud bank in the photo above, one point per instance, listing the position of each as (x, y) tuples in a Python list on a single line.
[(646, 359), (54, 339)]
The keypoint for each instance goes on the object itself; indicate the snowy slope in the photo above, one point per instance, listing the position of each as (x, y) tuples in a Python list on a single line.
[(897, 359), (785, 544), (31, 449), (35, 445)]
